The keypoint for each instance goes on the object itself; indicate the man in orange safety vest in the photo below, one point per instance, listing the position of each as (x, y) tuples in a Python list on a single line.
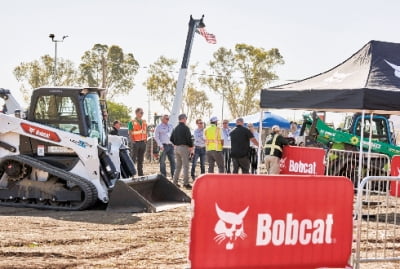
[(138, 134)]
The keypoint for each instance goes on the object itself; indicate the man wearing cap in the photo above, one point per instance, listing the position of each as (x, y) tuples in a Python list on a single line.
[(273, 150), (214, 142), (240, 147), (182, 139)]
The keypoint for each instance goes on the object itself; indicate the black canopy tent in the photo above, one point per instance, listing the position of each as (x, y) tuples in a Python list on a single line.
[(368, 81)]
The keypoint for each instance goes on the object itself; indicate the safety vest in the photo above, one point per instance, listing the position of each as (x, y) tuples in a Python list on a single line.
[(138, 132), (272, 145), (213, 138)]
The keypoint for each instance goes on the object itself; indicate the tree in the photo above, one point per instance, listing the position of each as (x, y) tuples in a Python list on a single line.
[(239, 76), (117, 111), (223, 82), (109, 68), (40, 72), (196, 102), (161, 84)]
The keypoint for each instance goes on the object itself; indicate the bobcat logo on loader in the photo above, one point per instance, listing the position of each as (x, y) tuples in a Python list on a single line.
[(229, 226)]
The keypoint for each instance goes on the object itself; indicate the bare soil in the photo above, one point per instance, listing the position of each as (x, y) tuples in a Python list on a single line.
[(31, 238)]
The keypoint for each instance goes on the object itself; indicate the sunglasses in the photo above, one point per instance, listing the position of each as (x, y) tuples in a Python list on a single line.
[(166, 118)]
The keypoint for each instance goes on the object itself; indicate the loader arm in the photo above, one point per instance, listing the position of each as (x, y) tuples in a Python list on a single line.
[(10, 103)]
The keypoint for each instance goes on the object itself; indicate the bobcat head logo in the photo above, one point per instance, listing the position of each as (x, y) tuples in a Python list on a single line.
[(229, 227)]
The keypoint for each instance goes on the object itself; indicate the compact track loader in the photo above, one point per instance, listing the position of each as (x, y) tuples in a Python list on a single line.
[(59, 156)]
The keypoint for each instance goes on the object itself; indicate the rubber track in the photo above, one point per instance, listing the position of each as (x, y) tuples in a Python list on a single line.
[(85, 185)]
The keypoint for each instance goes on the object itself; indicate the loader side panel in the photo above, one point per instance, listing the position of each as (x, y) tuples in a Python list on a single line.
[(57, 156)]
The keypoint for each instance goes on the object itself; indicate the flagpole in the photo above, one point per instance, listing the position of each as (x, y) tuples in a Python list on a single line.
[(176, 107)]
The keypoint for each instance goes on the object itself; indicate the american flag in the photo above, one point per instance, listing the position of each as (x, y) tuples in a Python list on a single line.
[(210, 38)]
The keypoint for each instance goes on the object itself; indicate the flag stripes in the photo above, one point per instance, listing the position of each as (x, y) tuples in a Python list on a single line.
[(210, 38)]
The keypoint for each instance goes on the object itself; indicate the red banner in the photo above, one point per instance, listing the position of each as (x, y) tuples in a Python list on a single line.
[(303, 161), (261, 221), (395, 172)]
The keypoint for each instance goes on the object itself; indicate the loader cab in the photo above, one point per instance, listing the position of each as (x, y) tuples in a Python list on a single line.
[(75, 110), (380, 127)]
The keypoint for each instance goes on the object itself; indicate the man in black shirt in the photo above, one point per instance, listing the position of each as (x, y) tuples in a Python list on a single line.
[(240, 147), (182, 139), (115, 128)]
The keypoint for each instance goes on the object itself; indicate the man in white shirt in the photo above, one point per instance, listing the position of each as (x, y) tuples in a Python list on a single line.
[(226, 149), (162, 136)]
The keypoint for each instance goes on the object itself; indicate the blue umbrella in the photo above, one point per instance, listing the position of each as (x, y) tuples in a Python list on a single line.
[(268, 120)]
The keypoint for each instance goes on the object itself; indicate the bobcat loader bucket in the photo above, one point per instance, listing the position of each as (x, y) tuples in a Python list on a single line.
[(152, 193)]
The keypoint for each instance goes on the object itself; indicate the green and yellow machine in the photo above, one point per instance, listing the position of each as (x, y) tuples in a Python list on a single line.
[(349, 138), (343, 145)]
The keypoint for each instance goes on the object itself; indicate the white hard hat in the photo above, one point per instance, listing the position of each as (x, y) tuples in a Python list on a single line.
[(214, 119), (275, 128)]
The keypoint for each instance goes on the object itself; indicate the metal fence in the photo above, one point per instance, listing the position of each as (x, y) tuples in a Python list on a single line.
[(346, 163), (377, 223)]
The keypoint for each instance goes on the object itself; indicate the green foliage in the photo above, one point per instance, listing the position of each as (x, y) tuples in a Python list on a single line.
[(109, 68), (161, 85), (40, 72), (197, 104), (240, 76), (102, 66), (117, 111)]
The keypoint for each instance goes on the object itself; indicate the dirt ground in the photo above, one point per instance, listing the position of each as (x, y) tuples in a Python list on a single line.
[(31, 238)]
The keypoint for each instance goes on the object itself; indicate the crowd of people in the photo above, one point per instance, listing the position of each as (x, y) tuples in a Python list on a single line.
[(230, 150)]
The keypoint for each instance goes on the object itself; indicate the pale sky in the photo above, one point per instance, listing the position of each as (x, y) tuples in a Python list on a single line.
[(312, 36)]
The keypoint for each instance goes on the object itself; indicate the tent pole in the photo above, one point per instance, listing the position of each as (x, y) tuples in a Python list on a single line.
[(360, 156), (260, 129), (369, 145)]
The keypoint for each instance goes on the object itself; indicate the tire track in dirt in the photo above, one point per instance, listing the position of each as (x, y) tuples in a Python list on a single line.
[(44, 242), (105, 254)]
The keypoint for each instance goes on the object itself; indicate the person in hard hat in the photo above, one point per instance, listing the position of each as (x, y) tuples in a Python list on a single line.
[(214, 143), (273, 148)]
